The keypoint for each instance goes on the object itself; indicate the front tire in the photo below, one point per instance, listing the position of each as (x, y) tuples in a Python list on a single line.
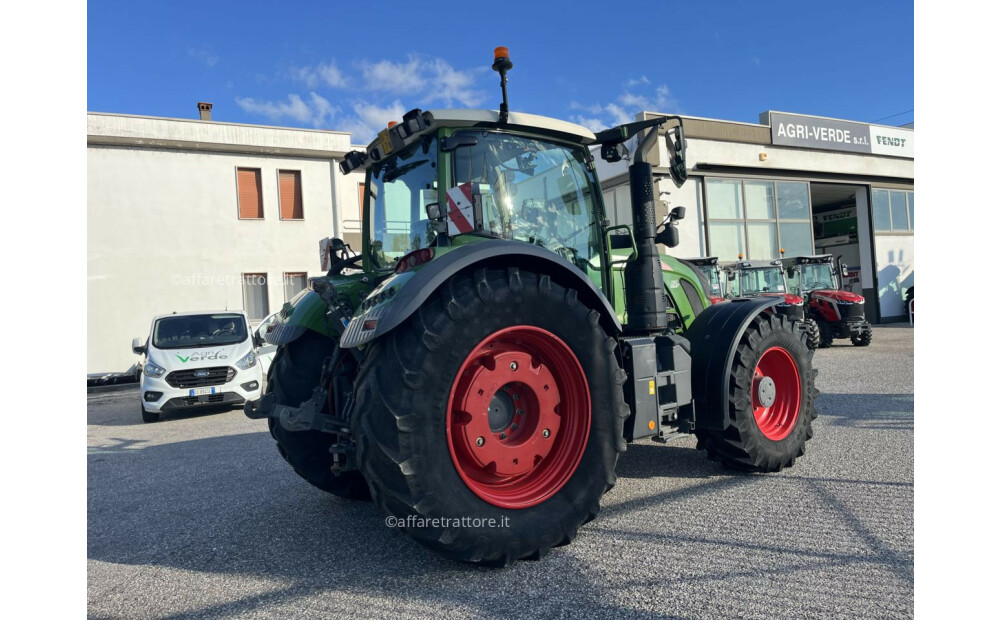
[(825, 334), (864, 338), (499, 400), (812, 334), (293, 374), (148, 417), (771, 402)]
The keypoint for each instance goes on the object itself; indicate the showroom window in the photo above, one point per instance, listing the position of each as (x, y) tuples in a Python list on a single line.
[(255, 295), (757, 218), (290, 194), (892, 210)]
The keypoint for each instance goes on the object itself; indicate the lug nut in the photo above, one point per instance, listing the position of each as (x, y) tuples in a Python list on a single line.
[(513, 427), (480, 441), (513, 365), (503, 435), (517, 397), (546, 433), (518, 412)]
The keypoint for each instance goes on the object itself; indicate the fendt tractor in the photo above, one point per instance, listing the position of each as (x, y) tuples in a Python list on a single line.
[(838, 313), (754, 278), (480, 365), (709, 266)]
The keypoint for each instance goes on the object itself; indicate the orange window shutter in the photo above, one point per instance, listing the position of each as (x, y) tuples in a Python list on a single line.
[(248, 187), (290, 192)]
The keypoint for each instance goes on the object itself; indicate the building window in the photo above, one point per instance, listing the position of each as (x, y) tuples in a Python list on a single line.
[(290, 194), (255, 295), (294, 283), (249, 195), (892, 210), (757, 218)]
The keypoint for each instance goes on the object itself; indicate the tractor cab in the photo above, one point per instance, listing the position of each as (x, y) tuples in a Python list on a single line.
[(838, 313), (709, 266), (756, 278)]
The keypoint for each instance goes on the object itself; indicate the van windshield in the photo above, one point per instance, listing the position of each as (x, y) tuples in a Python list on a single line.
[(199, 330)]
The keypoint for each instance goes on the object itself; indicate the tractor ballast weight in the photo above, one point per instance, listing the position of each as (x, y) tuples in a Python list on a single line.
[(494, 359)]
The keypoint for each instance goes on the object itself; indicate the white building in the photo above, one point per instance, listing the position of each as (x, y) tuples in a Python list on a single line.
[(807, 184), (201, 215)]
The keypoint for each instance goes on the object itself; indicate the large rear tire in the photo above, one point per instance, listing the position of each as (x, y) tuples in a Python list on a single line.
[(293, 374), (500, 399), (771, 404)]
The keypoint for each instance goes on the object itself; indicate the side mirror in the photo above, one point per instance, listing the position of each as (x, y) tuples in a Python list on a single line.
[(844, 271), (433, 211), (258, 340), (138, 346), (731, 275), (678, 213), (669, 236), (677, 147)]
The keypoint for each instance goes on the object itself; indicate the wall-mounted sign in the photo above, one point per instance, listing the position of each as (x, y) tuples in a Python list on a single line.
[(834, 135)]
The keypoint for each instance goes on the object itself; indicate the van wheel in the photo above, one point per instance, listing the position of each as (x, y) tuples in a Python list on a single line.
[(149, 416)]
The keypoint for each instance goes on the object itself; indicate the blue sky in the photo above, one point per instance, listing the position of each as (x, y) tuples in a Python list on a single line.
[(354, 66)]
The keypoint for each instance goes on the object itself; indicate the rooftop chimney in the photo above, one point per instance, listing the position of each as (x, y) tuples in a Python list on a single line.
[(205, 110)]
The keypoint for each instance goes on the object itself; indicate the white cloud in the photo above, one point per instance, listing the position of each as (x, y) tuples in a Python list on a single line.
[(369, 119), (204, 55), (637, 95), (327, 74), (447, 84), (393, 77), (316, 112)]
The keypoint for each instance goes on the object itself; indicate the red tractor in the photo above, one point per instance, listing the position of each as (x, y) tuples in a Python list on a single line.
[(763, 278), (838, 313)]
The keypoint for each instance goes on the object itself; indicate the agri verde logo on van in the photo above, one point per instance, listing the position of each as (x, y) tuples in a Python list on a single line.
[(199, 356)]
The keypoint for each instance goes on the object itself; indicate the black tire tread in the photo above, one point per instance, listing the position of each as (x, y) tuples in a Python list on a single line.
[(741, 446), (387, 420), (293, 374)]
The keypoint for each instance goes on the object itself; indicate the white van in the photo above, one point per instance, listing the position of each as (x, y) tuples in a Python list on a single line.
[(197, 359)]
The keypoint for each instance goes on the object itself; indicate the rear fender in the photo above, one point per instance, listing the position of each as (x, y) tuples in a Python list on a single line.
[(715, 336), (411, 289)]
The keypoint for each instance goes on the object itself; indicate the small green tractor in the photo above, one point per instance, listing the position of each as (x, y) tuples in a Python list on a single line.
[(710, 267), (756, 278), (480, 365)]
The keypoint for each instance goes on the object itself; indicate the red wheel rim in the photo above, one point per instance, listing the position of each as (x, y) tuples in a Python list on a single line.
[(518, 417), (775, 393)]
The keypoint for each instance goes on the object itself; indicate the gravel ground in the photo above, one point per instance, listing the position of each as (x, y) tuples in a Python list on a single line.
[(199, 516)]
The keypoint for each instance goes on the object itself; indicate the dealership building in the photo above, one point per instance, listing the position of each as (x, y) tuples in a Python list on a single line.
[(196, 214), (804, 184)]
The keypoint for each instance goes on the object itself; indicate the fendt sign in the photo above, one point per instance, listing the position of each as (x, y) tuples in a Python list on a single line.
[(834, 135)]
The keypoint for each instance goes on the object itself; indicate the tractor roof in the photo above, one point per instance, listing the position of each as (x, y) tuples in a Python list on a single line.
[(752, 264), (800, 260), (704, 260), (516, 120), (418, 123)]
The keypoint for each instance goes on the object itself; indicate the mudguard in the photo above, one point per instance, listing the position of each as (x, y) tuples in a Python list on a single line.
[(715, 336), (307, 310), (411, 289)]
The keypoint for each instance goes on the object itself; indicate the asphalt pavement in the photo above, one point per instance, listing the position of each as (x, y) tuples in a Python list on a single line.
[(198, 516)]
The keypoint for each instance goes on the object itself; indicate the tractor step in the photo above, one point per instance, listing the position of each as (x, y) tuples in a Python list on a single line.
[(659, 390)]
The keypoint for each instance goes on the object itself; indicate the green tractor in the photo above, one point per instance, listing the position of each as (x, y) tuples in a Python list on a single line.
[(755, 278), (480, 365)]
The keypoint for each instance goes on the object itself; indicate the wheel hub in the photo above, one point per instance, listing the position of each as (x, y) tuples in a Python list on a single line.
[(519, 417), (766, 391), (776, 393)]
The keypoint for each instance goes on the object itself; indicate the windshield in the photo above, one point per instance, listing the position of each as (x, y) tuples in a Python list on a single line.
[(712, 273), (200, 330), (765, 280), (817, 276), (402, 187), (532, 190)]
